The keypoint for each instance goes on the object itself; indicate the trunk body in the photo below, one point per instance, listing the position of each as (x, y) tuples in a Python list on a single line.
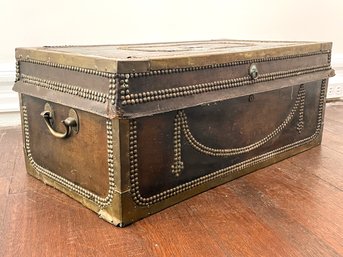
[(146, 126)]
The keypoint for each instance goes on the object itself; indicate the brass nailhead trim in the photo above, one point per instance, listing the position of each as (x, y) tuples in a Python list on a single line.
[(112, 91), (181, 124), (70, 89), (177, 165), (127, 98), (157, 95), (142, 97), (69, 67), (229, 64), (65, 88), (17, 71), (300, 124), (124, 88), (142, 201), (100, 201)]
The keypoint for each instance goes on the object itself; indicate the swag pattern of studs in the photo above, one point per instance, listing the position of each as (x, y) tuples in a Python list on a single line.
[(181, 126), (146, 201)]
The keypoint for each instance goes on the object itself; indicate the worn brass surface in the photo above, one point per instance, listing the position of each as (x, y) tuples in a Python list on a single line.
[(145, 57)]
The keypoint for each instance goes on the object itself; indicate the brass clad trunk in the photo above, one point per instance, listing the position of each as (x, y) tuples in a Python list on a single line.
[(128, 130)]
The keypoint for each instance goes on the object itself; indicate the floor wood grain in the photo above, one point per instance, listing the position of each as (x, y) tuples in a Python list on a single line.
[(292, 208)]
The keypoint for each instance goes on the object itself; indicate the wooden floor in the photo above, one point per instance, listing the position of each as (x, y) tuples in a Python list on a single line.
[(293, 208)]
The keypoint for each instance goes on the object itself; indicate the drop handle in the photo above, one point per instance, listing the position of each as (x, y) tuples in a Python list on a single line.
[(70, 124)]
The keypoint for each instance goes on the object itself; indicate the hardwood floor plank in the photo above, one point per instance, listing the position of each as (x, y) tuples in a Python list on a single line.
[(10, 140), (334, 111), (303, 201), (4, 187), (181, 243), (40, 225), (278, 219), (236, 226), (323, 162), (333, 126), (333, 141)]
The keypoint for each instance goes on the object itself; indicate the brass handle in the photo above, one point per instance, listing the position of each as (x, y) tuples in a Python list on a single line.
[(71, 123)]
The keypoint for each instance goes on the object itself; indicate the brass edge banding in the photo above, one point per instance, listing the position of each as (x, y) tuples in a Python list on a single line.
[(100, 201), (150, 96), (139, 200)]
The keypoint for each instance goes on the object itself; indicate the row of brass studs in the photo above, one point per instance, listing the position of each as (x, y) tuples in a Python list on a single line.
[(124, 88), (162, 94), (139, 200), (300, 124), (169, 71), (134, 162), (69, 67), (126, 97), (229, 64), (101, 202), (178, 165), (182, 122), (110, 162), (84, 93), (321, 104), (17, 71), (66, 88), (112, 91)]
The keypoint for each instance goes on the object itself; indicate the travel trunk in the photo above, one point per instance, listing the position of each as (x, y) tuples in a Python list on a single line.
[(128, 130)]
